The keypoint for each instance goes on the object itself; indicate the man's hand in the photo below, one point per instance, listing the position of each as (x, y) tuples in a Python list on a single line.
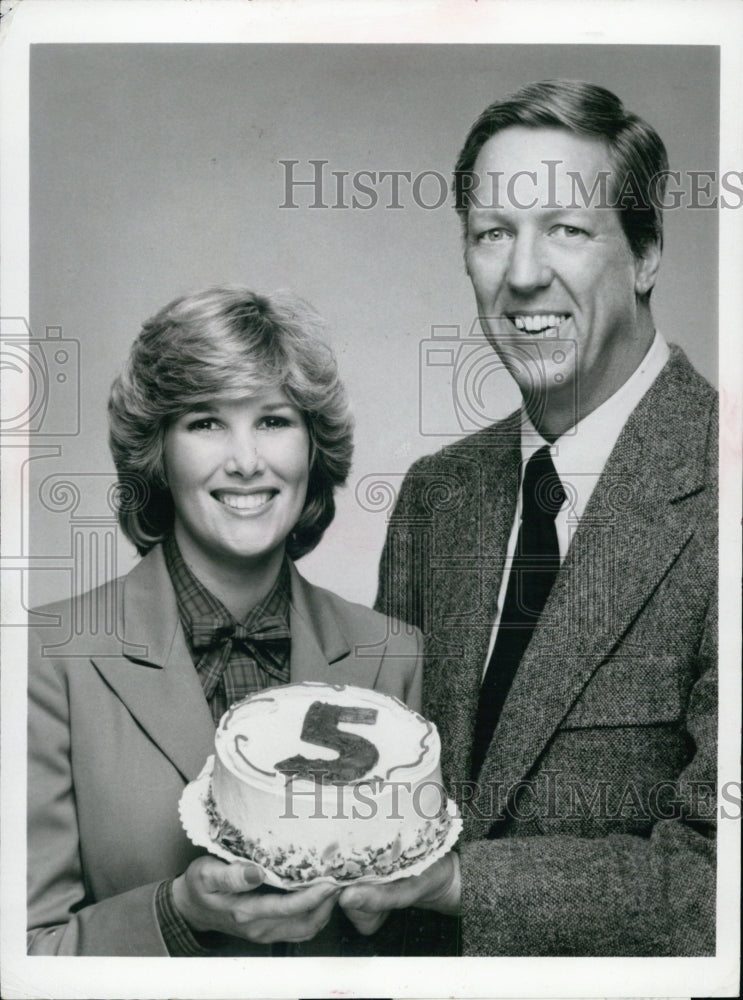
[(214, 896), (438, 888)]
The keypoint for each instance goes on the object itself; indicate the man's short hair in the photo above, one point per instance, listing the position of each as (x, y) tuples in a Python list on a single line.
[(635, 148), (225, 343)]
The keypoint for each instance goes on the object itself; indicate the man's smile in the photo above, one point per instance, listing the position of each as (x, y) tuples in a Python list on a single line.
[(537, 322)]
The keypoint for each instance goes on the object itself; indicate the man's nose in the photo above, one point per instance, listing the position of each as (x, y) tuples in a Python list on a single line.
[(244, 457), (528, 266)]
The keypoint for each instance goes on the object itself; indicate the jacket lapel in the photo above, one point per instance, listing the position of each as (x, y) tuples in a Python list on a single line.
[(466, 571), (319, 641), (155, 676), (633, 530)]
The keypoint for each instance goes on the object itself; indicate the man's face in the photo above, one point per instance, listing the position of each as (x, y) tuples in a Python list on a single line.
[(555, 280)]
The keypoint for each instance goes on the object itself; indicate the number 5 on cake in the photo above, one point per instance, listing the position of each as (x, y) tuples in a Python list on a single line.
[(356, 755)]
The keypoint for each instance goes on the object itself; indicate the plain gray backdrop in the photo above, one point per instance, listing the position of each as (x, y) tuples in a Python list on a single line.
[(155, 170)]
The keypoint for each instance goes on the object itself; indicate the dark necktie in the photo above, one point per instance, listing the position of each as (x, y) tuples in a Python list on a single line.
[(535, 564), (268, 644)]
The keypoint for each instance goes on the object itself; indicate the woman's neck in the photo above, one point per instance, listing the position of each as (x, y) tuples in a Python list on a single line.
[(239, 585)]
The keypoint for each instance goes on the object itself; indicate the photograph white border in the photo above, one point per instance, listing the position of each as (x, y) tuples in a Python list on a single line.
[(718, 23)]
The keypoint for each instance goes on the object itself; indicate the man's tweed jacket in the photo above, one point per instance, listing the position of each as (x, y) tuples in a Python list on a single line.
[(592, 832)]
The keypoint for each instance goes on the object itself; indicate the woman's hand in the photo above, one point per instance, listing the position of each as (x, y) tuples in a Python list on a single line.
[(214, 896), (438, 888)]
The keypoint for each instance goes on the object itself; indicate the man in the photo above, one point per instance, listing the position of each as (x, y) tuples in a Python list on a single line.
[(562, 565)]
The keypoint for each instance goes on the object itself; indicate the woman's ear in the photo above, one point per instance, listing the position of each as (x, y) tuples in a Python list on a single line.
[(646, 269)]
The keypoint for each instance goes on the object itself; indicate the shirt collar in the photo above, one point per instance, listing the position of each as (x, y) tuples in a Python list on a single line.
[(580, 454), (194, 600)]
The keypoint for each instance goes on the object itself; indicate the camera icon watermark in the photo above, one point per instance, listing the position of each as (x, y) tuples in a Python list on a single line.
[(41, 381), (462, 376)]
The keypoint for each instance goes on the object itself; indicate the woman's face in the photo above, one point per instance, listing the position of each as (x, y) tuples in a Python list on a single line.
[(238, 474)]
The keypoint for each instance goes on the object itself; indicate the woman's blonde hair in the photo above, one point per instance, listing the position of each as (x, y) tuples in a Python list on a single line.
[(225, 343)]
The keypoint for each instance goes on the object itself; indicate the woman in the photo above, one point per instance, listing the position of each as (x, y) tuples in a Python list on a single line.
[(230, 432)]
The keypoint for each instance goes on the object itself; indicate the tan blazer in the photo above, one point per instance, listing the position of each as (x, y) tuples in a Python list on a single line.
[(118, 724), (592, 829)]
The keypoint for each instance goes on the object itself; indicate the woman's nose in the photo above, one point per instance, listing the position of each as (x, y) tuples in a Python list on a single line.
[(243, 457), (528, 267)]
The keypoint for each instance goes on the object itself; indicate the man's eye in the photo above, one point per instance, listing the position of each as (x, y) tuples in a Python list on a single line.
[(571, 232), (492, 236)]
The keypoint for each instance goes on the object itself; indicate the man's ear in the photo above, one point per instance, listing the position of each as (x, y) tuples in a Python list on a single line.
[(646, 269), (466, 256)]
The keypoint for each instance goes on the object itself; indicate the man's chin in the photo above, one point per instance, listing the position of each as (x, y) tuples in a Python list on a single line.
[(551, 402)]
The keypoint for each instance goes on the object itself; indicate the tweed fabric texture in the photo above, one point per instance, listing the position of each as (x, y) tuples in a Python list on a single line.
[(591, 829)]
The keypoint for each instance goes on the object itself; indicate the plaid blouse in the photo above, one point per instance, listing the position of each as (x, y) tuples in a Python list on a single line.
[(233, 659)]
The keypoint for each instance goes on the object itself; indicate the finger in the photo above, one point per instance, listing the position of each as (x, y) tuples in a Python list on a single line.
[(375, 898), (400, 893), (366, 923), (303, 927), (239, 876), (301, 901), (284, 906), (307, 927)]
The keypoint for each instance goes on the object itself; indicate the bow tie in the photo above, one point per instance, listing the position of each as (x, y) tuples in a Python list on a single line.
[(210, 632)]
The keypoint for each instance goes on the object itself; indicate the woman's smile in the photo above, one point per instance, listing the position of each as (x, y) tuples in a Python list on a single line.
[(252, 502)]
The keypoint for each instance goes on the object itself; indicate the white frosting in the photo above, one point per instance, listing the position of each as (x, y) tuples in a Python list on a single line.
[(394, 805), (259, 732)]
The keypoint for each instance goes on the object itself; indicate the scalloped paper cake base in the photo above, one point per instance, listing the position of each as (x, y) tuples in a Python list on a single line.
[(195, 821)]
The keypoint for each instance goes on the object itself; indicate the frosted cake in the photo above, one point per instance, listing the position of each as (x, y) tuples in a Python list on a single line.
[(323, 781)]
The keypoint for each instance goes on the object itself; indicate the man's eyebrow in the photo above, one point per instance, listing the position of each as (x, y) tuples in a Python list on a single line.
[(497, 212), (553, 211), (485, 212)]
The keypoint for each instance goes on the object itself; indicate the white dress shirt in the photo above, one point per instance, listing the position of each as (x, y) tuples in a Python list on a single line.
[(579, 457)]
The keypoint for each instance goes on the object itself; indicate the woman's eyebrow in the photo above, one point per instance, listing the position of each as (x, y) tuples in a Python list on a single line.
[(285, 405), (204, 404)]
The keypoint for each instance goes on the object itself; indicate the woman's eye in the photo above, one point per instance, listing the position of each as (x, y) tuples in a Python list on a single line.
[(203, 424), (273, 422)]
